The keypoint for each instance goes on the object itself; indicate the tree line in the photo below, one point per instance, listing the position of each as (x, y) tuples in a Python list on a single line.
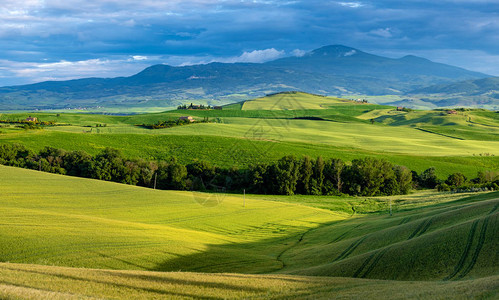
[(288, 175)]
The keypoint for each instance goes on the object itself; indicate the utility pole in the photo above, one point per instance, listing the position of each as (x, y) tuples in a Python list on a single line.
[(390, 207), (244, 197), (155, 177)]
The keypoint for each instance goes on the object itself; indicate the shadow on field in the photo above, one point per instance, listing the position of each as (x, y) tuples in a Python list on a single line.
[(108, 281), (454, 240)]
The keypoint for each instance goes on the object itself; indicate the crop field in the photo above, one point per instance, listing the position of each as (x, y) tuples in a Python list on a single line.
[(286, 101), (466, 142), (48, 282), (66, 237), (83, 223), (89, 223)]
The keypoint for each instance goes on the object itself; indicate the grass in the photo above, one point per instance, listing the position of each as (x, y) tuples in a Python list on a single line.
[(242, 137), (434, 242), (77, 222), (40, 282), (87, 223), (67, 237), (292, 101)]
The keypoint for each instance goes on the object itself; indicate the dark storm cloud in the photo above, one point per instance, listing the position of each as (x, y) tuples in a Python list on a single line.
[(36, 35)]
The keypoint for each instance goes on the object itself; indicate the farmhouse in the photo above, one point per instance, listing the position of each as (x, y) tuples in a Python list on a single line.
[(31, 119), (451, 112), (217, 107), (191, 119)]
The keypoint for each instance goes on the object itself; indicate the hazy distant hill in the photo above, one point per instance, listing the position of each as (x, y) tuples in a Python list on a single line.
[(330, 70), (478, 93), (401, 73)]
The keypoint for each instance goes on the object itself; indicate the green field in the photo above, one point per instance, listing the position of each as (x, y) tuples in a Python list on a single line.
[(65, 237), (46, 282), (292, 101), (82, 223), (316, 126)]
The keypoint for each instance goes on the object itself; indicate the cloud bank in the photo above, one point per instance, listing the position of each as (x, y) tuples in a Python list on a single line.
[(38, 37)]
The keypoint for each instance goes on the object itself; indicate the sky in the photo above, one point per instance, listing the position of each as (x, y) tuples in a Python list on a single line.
[(66, 39)]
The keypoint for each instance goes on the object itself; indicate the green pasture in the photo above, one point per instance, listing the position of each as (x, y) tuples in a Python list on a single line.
[(67, 221), (22, 281), (262, 131), (237, 141), (75, 222), (292, 101)]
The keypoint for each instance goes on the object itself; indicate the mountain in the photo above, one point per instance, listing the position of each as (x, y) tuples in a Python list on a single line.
[(470, 93), (330, 70), (341, 60)]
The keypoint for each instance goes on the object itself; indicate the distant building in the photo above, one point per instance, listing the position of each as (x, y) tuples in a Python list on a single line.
[(217, 107), (400, 108), (191, 119), (451, 112), (31, 119)]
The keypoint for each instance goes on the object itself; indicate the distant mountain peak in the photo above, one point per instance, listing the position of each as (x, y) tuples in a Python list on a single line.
[(335, 51), (414, 58)]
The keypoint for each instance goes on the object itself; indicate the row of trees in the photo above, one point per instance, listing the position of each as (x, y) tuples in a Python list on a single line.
[(286, 176), (173, 123)]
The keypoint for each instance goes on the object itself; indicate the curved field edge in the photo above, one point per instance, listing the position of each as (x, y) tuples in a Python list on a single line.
[(61, 220), (446, 241), (24, 281)]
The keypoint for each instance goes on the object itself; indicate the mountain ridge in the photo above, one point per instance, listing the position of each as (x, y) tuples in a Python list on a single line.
[(329, 70)]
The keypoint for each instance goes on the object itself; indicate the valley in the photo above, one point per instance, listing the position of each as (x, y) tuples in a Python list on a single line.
[(69, 237), (94, 227)]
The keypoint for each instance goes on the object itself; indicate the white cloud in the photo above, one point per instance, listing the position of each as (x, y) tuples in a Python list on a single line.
[(30, 72), (351, 4), (382, 32), (350, 53), (298, 52), (140, 57), (257, 56)]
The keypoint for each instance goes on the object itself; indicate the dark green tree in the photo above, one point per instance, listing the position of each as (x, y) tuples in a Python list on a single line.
[(333, 182), (456, 179), (285, 173), (428, 178), (317, 180), (305, 176), (403, 178), (78, 163)]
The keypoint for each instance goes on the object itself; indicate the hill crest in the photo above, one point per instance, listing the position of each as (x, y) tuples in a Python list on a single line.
[(330, 70)]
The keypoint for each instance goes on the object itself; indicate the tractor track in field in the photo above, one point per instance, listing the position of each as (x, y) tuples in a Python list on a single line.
[(421, 228), (375, 262), (425, 227), (350, 248), (481, 241), (405, 220), (364, 264), (466, 251), (279, 256), (344, 234), (478, 248)]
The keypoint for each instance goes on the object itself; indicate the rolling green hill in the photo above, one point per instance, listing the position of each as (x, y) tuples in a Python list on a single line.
[(21, 281), (82, 223), (305, 124), (292, 101), (76, 222)]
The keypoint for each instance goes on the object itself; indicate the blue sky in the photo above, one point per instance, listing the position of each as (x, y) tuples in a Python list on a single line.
[(66, 39)]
